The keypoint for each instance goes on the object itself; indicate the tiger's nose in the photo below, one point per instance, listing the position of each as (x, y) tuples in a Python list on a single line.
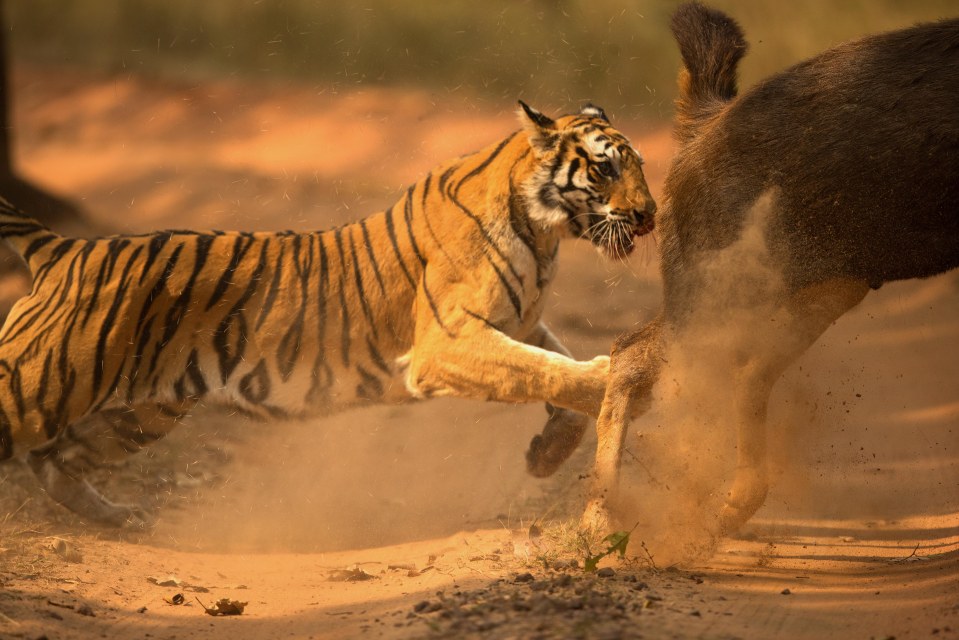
[(645, 218)]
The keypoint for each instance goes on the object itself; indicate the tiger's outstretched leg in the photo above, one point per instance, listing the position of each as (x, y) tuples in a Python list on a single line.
[(634, 368), (564, 428), (102, 437)]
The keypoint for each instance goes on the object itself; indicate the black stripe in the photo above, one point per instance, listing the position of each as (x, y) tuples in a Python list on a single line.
[(107, 325), (492, 156), (489, 241), (345, 330), (194, 375), (178, 309), (67, 376), (34, 246), (570, 172), (289, 348), (344, 309), (391, 232), (444, 178), (408, 217), (319, 362), (274, 288), (236, 318), (55, 256), (481, 319), (255, 386), (241, 245), (371, 388), (373, 261), (510, 292), (16, 389), (377, 357), (360, 291), (115, 247), (41, 404), (154, 247), (158, 286)]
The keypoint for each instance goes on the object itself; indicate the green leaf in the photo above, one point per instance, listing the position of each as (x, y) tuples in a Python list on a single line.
[(591, 562), (616, 543)]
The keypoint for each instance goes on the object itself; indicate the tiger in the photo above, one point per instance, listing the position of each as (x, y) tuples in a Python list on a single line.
[(441, 294)]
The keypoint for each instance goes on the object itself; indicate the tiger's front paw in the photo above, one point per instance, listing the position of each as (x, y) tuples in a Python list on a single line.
[(602, 365), (562, 434)]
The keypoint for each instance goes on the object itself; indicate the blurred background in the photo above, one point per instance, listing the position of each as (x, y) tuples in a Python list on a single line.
[(556, 52), (133, 115)]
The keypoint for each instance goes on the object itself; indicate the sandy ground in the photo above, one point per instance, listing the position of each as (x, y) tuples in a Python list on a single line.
[(419, 521)]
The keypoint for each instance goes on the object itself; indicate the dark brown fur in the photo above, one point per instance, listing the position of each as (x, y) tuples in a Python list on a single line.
[(859, 149)]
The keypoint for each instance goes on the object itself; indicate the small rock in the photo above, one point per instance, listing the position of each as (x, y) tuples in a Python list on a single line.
[(785, 592), (606, 572), (524, 577), (420, 607), (142, 610), (85, 610)]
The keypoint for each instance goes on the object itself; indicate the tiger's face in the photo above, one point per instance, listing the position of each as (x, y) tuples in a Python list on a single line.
[(588, 181)]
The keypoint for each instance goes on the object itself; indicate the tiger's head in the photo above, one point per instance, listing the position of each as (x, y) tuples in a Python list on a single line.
[(588, 180)]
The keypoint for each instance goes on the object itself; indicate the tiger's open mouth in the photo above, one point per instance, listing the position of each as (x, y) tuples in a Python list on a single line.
[(615, 235)]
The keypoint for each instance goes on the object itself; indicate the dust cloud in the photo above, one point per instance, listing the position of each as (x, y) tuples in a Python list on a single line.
[(677, 464), (362, 478), (836, 450)]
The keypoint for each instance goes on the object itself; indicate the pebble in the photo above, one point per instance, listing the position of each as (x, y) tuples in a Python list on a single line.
[(606, 572), (420, 607), (524, 577)]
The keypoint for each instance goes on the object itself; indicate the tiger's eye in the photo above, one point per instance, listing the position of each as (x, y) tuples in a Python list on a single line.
[(606, 169)]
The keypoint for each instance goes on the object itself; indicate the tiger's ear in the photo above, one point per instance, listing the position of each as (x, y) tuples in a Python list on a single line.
[(540, 128), (593, 111)]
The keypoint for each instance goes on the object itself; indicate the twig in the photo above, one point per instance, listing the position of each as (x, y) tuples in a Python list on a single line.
[(649, 556), (911, 555), (5, 618)]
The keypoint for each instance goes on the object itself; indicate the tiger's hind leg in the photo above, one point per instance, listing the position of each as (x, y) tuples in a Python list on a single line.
[(62, 462), (560, 436)]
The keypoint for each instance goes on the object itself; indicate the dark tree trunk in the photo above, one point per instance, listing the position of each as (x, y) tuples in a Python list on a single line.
[(52, 210)]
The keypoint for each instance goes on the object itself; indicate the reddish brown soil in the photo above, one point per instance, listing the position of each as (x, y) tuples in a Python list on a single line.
[(431, 501)]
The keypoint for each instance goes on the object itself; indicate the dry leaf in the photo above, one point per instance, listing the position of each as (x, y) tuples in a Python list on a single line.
[(349, 575), (173, 581), (224, 607)]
